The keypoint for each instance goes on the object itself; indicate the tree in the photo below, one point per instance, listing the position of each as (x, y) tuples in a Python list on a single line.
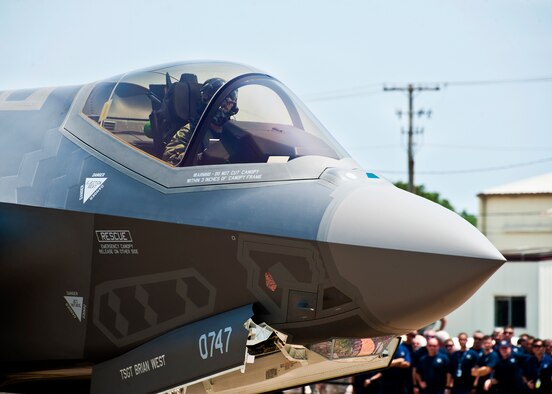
[(436, 198)]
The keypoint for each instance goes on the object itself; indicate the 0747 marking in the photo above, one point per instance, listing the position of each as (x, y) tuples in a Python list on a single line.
[(211, 342)]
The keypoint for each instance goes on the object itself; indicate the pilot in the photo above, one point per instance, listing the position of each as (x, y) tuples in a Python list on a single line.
[(175, 149)]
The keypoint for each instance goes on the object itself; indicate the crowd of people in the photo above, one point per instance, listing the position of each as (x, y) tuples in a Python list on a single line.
[(434, 363)]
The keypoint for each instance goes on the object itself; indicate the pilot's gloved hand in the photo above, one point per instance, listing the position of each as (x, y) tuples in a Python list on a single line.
[(227, 109), (220, 118)]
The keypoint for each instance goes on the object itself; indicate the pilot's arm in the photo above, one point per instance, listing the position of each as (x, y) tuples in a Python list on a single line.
[(175, 149)]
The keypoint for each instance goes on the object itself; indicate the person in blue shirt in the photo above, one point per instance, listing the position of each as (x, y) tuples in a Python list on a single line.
[(537, 371), (461, 364), (432, 369), (485, 365), (507, 336), (418, 354), (548, 347), (396, 378), (507, 377), (415, 358), (477, 342), (409, 341)]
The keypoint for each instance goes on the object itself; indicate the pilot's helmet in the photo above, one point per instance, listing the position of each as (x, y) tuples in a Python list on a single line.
[(209, 88)]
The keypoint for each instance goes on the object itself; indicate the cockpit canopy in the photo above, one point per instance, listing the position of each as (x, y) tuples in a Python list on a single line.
[(250, 118)]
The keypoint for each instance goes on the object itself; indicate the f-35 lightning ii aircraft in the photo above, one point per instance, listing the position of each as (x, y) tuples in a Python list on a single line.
[(193, 227)]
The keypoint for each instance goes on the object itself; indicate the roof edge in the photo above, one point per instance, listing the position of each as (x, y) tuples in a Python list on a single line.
[(483, 194), (535, 255)]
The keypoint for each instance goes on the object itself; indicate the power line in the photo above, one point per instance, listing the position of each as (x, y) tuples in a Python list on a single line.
[(344, 94), (352, 88), (472, 170), (497, 81), (383, 146), (459, 147), (493, 148), (366, 90)]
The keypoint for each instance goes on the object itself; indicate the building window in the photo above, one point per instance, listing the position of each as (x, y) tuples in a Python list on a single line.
[(510, 311)]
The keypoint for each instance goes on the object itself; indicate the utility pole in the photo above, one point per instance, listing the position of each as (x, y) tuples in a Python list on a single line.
[(411, 89)]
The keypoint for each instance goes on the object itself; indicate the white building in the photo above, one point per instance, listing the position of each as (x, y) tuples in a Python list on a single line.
[(517, 219)]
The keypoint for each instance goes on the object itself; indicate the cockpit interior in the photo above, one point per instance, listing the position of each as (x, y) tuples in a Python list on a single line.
[(151, 109)]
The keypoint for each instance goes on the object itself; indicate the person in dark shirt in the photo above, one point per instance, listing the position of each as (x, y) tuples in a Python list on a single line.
[(527, 343), (507, 336), (367, 383), (537, 371), (497, 335), (449, 347), (418, 354), (411, 344), (463, 341), (477, 342), (409, 341), (485, 365), (461, 364), (507, 377), (395, 379), (548, 347), (432, 370)]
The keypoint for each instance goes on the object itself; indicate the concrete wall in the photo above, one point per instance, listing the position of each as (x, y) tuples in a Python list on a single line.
[(545, 299), (513, 222), (517, 221)]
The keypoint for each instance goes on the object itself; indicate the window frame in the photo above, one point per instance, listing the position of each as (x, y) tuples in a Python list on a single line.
[(235, 84), (510, 319), (103, 145)]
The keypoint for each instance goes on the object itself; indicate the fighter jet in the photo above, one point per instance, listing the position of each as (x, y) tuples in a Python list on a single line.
[(193, 227)]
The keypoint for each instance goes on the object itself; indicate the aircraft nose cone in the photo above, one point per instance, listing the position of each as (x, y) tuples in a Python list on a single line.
[(410, 261)]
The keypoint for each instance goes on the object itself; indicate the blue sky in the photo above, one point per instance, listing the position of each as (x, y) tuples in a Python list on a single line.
[(336, 57)]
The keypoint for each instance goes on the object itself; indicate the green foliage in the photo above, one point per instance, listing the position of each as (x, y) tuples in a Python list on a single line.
[(436, 198), (469, 217)]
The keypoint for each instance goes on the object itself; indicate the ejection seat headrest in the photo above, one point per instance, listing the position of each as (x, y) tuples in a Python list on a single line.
[(186, 96)]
